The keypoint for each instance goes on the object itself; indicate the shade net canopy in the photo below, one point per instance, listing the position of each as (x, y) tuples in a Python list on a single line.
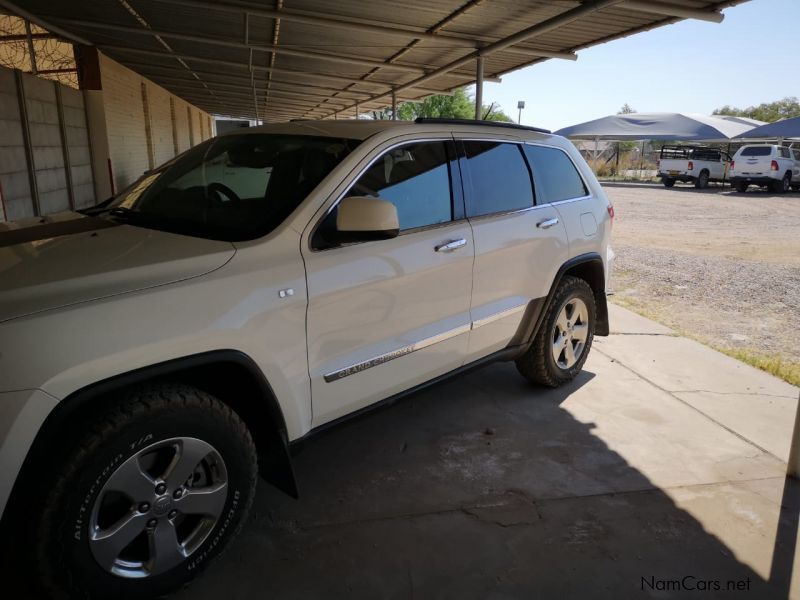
[(316, 59), (659, 126), (788, 128)]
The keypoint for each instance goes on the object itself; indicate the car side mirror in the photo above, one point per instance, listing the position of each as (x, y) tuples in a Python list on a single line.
[(363, 218)]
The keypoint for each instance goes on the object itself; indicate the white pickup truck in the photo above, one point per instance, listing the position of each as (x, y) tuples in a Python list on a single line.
[(695, 164), (768, 165)]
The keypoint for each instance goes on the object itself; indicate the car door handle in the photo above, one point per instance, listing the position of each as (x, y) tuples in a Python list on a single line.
[(547, 223), (450, 246)]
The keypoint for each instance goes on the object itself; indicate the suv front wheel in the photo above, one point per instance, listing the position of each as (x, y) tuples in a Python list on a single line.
[(565, 336), (150, 493)]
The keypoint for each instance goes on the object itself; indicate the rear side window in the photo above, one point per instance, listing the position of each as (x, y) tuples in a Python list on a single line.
[(416, 179), (784, 152), (500, 179), (556, 177), (757, 151), (796, 154)]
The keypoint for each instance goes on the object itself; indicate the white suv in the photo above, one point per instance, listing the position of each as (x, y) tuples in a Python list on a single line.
[(769, 165), (161, 349)]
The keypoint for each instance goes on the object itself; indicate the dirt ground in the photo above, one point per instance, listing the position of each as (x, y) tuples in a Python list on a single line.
[(716, 265)]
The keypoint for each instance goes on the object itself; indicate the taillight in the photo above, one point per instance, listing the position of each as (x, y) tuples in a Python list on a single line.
[(691, 166), (733, 164), (774, 166), (610, 209)]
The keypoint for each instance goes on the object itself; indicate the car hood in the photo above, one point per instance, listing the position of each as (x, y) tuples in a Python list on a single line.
[(62, 259)]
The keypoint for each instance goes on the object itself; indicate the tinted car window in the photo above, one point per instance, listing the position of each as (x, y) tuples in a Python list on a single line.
[(234, 187), (757, 151), (500, 180), (555, 174), (416, 179), (784, 152)]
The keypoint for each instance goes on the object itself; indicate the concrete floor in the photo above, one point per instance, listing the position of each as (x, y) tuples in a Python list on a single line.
[(663, 460)]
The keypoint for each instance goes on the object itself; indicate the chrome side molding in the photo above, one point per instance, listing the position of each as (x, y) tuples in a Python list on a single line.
[(425, 343)]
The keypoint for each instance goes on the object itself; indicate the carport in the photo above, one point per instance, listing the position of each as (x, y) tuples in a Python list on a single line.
[(146, 69), (310, 59)]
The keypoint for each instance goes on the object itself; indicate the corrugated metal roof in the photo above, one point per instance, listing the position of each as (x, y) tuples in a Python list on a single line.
[(328, 56)]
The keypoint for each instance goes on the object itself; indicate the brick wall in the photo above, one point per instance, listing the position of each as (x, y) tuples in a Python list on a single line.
[(80, 157), (14, 182), (48, 154), (125, 121)]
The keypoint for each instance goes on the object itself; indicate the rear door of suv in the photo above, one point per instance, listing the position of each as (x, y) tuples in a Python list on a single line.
[(560, 185), (519, 243), (386, 315)]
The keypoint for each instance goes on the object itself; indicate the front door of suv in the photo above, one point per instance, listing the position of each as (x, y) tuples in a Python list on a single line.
[(384, 316), (519, 243)]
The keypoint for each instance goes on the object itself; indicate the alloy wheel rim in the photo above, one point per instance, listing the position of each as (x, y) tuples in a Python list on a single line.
[(570, 333), (158, 507)]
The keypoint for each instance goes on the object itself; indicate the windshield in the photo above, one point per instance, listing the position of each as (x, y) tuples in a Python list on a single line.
[(757, 151), (231, 188)]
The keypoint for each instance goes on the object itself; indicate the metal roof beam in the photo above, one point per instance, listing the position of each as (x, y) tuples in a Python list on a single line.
[(149, 70), (247, 106), (673, 10), (323, 20), (546, 26), (229, 63), (247, 94), (14, 9), (261, 93), (267, 48)]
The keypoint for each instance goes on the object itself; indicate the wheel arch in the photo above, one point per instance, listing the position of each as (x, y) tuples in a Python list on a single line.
[(229, 375), (588, 267)]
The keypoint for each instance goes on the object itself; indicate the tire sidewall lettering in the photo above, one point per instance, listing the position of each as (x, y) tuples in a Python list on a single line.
[(211, 544), (84, 508)]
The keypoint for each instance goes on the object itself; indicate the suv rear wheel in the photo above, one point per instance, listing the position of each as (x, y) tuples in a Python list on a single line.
[(741, 187), (148, 495), (668, 182), (701, 182), (565, 336)]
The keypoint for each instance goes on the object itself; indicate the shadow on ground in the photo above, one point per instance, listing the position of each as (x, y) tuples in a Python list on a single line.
[(482, 487)]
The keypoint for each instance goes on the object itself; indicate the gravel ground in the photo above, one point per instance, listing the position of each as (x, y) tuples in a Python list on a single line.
[(719, 266)]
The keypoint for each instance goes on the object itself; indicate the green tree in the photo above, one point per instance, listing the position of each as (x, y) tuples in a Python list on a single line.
[(768, 111), (458, 105), (626, 109)]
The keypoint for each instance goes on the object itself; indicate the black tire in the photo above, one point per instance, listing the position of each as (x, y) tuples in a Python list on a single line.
[(538, 365), (144, 417), (701, 182), (741, 187), (782, 186), (668, 182)]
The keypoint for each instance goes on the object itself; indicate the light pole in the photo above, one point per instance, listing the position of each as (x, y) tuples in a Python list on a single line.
[(520, 106)]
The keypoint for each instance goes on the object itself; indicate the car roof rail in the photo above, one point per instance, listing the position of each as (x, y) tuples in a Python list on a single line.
[(449, 121)]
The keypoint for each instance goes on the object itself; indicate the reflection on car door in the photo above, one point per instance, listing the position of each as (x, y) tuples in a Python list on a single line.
[(384, 316), (519, 244)]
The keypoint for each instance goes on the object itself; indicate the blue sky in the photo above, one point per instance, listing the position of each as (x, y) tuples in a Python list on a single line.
[(751, 57)]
